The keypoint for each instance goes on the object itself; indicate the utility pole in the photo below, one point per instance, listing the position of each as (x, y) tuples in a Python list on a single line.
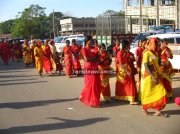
[(54, 26), (157, 21), (178, 16), (140, 5)]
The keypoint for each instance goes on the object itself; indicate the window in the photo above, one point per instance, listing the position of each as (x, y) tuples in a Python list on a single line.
[(168, 2), (91, 25), (163, 21), (178, 40), (135, 20), (151, 21), (148, 3), (78, 25), (133, 2), (170, 41)]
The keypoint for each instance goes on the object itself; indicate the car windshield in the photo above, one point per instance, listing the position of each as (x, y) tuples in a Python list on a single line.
[(58, 39)]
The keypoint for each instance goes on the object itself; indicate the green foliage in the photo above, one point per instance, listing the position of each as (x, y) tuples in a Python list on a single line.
[(5, 27), (30, 23), (57, 17), (33, 22), (112, 12)]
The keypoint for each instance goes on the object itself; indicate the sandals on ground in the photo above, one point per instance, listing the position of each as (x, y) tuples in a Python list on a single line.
[(146, 113), (161, 114)]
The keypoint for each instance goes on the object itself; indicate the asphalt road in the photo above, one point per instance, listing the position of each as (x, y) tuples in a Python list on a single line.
[(50, 105)]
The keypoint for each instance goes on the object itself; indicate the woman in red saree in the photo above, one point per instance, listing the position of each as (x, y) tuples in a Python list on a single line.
[(4, 51), (139, 56), (125, 86), (67, 52), (130, 61), (104, 68), (166, 67), (76, 51), (153, 92), (47, 58), (96, 45), (17, 51), (116, 48), (90, 94)]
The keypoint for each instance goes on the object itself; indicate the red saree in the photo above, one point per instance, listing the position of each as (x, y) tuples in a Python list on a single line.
[(115, 51), (90, 94), (104, 67), (47, 59), (4, 52), (68, 60), (76, 63), (125, 85), (167, 70)]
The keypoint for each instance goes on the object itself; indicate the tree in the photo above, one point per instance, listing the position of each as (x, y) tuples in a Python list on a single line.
[(112, 12), (57, 17), (31, 22), (121, 13), (5, 27)]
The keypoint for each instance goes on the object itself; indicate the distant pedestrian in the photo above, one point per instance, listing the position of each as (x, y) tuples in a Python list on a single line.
[(67, 53), (4, 52), (75, 53), (59, 66), (47, 59), (26, 53), (39, 57), (104, 68)]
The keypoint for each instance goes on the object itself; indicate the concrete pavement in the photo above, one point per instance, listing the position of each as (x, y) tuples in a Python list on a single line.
[(50, 105)]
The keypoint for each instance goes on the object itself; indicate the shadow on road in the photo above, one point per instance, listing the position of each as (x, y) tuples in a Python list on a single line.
[(114, 103), (16, 76), (176, 92), (173, 112), (21, 105), (10, 80), (20, 83), (66, 123)]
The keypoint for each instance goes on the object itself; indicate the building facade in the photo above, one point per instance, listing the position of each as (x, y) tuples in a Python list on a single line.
[(78, 25), (110, 24), (141, 14)]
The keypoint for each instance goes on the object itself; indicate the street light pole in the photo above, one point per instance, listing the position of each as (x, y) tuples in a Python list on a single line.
[(53, 25)]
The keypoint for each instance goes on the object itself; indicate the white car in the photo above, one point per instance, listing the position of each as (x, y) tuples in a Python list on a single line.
[(79, 41), (173, 40), (59, 41)]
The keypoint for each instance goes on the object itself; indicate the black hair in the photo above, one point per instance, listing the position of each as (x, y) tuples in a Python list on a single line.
[(67, 41), (143, 39), (95, 40), (88, 38), (73, 40), (164, 40), (124, 44), (103, 45)]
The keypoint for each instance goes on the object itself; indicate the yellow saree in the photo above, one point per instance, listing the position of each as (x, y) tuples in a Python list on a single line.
[(152, 95)]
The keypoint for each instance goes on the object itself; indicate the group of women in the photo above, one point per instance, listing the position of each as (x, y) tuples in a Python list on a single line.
[(153, 86), (154, 69)]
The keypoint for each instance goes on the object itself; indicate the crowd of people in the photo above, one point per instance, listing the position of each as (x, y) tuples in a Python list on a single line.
[(153, 68)]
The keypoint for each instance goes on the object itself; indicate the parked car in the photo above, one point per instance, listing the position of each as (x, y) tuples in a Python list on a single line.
[(59, 46), (173, 40)]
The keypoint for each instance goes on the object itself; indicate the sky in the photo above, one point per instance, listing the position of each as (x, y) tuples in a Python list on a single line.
[(78, 8)]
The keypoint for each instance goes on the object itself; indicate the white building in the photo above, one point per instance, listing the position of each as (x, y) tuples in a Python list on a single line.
[(140, 14), (77, 25)]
